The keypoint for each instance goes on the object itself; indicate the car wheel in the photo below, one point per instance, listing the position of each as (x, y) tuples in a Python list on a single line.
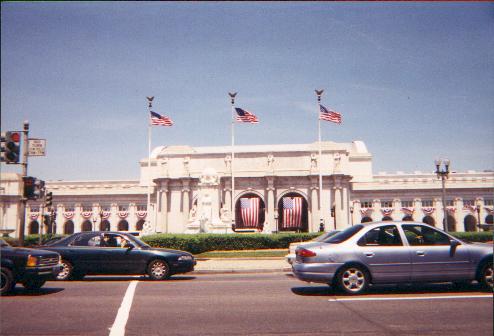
[(66, 272), (487, 277), (33, 284), (7, 279), (158, 270), (353, 279)]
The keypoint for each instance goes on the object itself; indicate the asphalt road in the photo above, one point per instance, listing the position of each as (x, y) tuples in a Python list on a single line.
[(241, 304)]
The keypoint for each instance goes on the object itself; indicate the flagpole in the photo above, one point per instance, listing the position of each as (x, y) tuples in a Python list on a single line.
[(148, 204), (319, 94), (232, 205)]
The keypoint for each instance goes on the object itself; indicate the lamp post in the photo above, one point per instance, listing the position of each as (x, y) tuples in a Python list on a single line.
[(94, 223), (479, 205), (442, 172), (351, 216)]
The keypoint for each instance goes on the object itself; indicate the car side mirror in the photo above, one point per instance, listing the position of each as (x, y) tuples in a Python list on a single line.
[(130, 247), (454, 244)]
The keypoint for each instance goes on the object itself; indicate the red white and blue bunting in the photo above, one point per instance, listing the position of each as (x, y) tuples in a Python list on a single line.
[(407, 210), (141, 214), (123, 214), (86, 214), (105, 214), (451, 209), (387, 211), (428, 210), (366, 211), (489, 209), (34, 215), (68, 214)]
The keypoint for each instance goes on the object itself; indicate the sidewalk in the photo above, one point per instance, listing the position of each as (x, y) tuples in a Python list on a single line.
[(242, 265)]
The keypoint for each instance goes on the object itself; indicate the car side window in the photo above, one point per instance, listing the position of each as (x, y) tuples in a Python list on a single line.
[(387, 235), (81, 240), (418, 235)]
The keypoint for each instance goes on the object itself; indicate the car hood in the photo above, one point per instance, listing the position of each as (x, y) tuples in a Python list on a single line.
[(165, 250), (29, 251)]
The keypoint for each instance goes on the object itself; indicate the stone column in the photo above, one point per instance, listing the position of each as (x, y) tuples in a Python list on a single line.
[(271, 224), (314, 201), (458, 215), (162, 218), (185, 202)]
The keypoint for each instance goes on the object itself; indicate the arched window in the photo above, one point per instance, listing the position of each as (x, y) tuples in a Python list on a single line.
[(249, 212), (87, 226), (104, 225), (451, 223), (68, 227), (34, 227), (429, 220), (140, 225), (366, 219), (293, 213), (408, 218), (470, 223), (123, 225), (489, 219), (387, 218)]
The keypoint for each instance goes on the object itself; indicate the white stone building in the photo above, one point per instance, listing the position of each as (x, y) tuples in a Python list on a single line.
[(276, 189)]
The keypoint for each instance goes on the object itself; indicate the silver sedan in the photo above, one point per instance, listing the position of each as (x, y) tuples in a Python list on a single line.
[(393, 252)]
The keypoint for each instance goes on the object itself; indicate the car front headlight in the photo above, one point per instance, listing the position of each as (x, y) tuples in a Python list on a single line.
[(185, 257), (31, 261)]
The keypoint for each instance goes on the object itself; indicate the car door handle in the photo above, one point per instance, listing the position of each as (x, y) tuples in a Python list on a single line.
[(369, 254), (420, 253)]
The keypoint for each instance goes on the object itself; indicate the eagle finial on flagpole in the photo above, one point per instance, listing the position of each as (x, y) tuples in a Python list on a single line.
[(319, 94), (232, 96)]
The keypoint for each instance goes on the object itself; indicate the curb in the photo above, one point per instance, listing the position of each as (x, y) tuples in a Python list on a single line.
[(245, 271)]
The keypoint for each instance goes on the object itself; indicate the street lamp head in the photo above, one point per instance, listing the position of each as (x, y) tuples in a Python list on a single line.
[(438, 162), (446, 164)]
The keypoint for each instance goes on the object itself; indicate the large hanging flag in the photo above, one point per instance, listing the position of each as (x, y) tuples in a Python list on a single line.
[(249, 210), (292, 212), (158, 119), (246, 116), (329, 115)]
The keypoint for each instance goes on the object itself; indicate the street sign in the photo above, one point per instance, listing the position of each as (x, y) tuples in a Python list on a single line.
[(36, 147)]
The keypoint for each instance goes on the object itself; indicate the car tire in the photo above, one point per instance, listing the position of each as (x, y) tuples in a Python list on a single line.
[(353, 279), (158, 270), (33, 284), (66, 272), (487, 277), (7, 281)]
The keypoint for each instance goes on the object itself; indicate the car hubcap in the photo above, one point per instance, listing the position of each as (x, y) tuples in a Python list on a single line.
[(64, 272), (353, 279), (489, 276), (158, 270)]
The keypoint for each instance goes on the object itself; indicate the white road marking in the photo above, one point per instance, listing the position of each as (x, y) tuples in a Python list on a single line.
[(118, 328), (482, 296)]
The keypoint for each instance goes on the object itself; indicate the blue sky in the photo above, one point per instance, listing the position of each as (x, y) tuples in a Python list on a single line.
[(414, 81)]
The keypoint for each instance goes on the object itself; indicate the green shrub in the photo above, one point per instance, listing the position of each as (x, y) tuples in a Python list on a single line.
[(474, 236)]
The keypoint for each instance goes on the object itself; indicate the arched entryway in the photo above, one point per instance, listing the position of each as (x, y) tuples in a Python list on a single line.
[(470, 223), (451, 223), (104, 225), (87, 226), (489, 219), (123, 225), (407, 218), (366, 219), (140, 225), (293, 213), (34, 227), (249, 212), (68, 227), (387, 219), (429, 220)]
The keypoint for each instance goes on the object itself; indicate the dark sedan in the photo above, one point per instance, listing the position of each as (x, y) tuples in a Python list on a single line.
[(92, 253)]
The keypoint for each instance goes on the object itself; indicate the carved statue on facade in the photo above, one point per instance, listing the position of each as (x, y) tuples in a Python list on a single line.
[(193, 213), (313, 160), (209, 177), (337, 163)]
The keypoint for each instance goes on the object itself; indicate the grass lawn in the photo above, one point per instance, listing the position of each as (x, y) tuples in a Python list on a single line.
[(244, 254)]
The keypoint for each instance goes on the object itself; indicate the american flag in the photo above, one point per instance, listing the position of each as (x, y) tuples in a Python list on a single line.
[(246, 116), (249, 209), (329, 115), (292, 212), (158, 119)]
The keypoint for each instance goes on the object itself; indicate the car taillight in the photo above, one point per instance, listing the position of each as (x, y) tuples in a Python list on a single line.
[(305, 253)]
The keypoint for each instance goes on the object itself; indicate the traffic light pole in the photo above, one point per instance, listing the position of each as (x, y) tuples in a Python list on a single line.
[(22, 204)]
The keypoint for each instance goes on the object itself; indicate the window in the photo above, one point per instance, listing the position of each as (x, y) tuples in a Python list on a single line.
[(407, 204), (122, 208), (468, 202), (450, 203), (387, 235), (418, 235), (366, 204), (427, 203), (386, 204), (141, 207), (344, 235), (488, 202), (87, 208)]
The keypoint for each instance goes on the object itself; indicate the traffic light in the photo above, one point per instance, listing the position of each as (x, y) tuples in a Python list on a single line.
[(33, 188), (12, 148), (48, 199)]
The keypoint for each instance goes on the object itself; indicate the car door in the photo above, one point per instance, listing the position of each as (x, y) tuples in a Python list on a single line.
[(123, 258), (433, 256), (384, 253), (87, 255)]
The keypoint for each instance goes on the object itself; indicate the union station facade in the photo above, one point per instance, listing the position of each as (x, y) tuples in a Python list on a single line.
[(276, 188)]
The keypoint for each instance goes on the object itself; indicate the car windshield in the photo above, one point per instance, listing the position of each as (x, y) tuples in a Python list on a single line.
[(3, 243), (340, 237), (137, 241)]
